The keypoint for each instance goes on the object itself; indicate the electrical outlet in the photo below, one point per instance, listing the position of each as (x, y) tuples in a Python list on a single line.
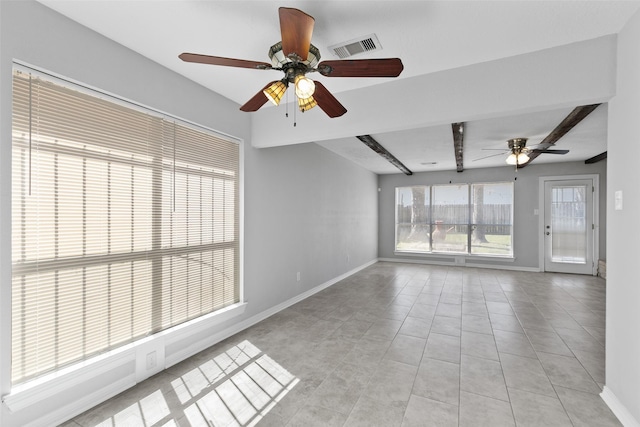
[(298, 276), (151, 360)]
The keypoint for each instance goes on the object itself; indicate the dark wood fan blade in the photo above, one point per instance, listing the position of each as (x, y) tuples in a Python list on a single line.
[(258, 100), (296, 28), (327, 101), (226, 62), (569, 122), (387, 67), (550, 151)]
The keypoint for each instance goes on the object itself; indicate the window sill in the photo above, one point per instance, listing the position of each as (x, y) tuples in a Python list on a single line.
[(131, 356), (454, 257)]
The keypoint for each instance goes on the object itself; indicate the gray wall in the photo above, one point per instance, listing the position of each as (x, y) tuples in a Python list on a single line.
[(305, 209), (309, 211), (525, 233), (622, 390)]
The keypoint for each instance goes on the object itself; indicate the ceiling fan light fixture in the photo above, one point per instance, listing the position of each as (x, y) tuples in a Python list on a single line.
[(306, 104), (279, 59), (517, 159), (305, 87), (275, 92)]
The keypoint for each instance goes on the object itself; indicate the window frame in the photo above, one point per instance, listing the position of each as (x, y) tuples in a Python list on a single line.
[(470, 224), (178, 330)]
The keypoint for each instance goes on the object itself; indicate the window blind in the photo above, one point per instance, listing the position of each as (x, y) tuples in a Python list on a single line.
[(124, 223)]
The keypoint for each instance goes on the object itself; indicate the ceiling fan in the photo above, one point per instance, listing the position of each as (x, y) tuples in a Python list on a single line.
[(520, 155), (296, 56)]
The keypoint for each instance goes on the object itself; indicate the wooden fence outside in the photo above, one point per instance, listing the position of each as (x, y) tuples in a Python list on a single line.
[(494, 217)]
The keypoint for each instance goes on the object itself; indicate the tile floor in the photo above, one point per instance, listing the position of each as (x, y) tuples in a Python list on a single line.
[(397, 345)]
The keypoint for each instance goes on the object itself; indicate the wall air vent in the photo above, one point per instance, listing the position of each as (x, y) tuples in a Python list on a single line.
[(356, 46)]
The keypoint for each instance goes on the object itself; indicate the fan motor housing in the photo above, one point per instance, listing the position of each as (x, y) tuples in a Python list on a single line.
[(517, 144), (279, 59)]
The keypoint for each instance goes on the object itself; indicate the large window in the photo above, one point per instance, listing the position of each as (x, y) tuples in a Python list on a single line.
[(124, 223), (455, 218)]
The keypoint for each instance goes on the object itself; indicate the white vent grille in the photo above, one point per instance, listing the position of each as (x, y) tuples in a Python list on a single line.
[(356, 46)]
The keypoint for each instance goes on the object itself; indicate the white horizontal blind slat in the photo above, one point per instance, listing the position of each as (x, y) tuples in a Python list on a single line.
[(124, 224)]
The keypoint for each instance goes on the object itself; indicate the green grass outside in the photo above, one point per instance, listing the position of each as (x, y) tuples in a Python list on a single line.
[(497, 244)]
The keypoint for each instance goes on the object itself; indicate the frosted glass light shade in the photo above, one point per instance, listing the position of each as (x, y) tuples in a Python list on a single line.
[(304, 87), (520, 159)]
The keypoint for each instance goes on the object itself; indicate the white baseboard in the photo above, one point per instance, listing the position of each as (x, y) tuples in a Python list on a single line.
[(88, 401), (466, 264), (618, 409)]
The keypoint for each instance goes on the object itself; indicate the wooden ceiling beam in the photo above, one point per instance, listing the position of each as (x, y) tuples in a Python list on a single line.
[(596, 159), (375, 146), (569, 122), (458, 144)]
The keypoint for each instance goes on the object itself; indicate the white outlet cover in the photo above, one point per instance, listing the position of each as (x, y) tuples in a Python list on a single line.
[(618, 200), (152, 361), (154, 344)]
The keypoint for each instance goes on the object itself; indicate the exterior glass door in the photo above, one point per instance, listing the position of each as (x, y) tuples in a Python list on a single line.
[(568, 226)]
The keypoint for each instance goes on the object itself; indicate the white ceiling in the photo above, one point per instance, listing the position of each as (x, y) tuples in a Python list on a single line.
[(428, 36)]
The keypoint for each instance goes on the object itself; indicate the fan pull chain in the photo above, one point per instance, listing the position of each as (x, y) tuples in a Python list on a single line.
[(286, 111)]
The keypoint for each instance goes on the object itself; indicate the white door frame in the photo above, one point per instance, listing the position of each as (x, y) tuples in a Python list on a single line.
[(596, 216)]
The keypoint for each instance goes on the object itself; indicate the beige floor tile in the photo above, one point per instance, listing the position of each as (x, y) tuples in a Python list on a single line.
[(568, 372), (524, 373), (478, 345), (536, 410), (473, 323), (443, 347), (475, 308), (392, 382), (310, 416), (505, 322), (370, 412), (586, 409), (547, 341), (423, 412), (514, 343), (446, 325), (406, 349), (415, 327), (423, 311), (483, 377), (482, 411), (438, 380)]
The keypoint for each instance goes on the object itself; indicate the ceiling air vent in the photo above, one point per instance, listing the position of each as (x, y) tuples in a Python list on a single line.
[(356, 46)]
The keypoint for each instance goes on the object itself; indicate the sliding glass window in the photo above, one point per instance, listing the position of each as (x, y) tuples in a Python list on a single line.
[(492, 219), (450, 210), (472, 219), (125, 222), (413, 218)]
